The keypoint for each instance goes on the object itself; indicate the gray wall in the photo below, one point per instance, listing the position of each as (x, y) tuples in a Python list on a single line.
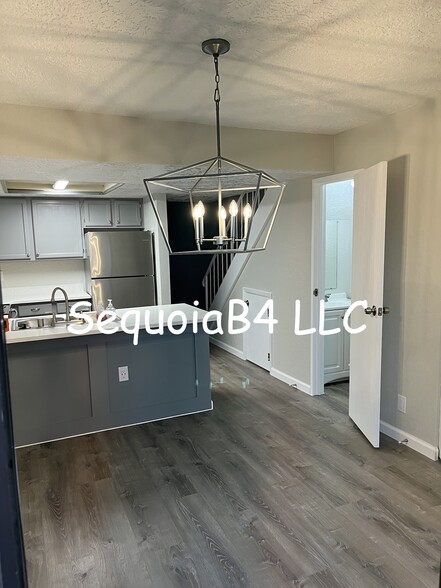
[(284, 269), (162, 258), (409, 141), (30, 131), (413, 345)]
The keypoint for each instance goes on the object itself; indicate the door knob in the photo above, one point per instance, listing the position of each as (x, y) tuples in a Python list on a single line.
[(372, 311)]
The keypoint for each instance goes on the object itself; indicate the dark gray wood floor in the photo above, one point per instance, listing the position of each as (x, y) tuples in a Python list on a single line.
[(273, 488)]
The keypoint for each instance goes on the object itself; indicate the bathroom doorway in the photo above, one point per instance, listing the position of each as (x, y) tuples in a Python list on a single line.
[(366, 293), (338, 212)]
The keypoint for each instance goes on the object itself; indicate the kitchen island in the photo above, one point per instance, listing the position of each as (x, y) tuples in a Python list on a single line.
[(64, 385)]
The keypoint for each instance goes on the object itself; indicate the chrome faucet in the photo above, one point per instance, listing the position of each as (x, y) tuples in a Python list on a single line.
[(54, 306)]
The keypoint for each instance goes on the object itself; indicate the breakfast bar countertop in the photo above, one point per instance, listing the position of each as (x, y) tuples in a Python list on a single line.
[(61, 331)]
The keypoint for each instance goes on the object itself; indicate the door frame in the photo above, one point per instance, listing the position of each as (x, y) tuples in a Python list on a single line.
[(265, 294), (318, 273)]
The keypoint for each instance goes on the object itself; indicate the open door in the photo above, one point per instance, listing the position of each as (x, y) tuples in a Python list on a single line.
[(369, 222)]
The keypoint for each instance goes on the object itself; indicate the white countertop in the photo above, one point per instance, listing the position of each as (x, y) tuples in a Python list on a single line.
[(31, 294), (61, 332)]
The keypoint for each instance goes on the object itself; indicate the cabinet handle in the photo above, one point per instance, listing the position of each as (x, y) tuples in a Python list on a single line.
[(28, 255), (35, 309), (37, 255)]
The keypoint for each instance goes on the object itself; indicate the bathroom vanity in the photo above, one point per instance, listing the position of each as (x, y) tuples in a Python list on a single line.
[(336, 346)]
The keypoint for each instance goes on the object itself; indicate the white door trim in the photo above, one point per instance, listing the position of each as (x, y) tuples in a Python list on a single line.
[(318, 273), (265, 294)]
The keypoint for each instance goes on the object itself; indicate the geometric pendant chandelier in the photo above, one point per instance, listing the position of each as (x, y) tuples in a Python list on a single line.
[(223, 196)]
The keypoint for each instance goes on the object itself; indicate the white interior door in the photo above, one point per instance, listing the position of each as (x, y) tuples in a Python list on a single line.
[(369, 223), (257, 340)]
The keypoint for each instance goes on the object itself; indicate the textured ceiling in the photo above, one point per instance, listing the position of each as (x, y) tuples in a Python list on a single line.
[(299, 65)]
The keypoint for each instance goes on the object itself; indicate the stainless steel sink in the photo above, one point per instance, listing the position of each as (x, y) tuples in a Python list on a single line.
[(66, 323), (41, 322)]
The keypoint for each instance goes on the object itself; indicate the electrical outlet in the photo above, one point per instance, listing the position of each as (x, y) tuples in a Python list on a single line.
[(123, 373), (401, 403)]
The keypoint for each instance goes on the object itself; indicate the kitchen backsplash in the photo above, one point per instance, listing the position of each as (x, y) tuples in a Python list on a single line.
[(19, 274)]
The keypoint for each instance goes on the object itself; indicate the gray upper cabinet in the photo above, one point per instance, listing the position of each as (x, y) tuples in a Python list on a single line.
[(127, 213), (97, 213), (15, 229), (57, 228)]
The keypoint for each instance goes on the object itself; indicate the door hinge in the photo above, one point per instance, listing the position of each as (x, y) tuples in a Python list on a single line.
[(269, 356)]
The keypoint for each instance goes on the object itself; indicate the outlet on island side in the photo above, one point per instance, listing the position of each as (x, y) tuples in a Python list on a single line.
[(401, 403), (123, 373)]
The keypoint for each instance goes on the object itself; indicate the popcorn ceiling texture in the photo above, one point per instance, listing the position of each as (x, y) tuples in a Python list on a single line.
[(318, 66)]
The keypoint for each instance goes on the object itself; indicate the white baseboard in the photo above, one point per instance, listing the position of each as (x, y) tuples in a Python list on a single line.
[(233, 350), (291, 381), (430, 451)]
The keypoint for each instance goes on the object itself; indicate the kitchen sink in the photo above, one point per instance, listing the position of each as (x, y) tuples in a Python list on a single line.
[(41, 322)]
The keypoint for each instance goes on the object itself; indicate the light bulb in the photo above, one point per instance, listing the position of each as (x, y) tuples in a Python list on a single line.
[(60, 184), (247, 211), (233, 208), (198, 210), (223, 213)]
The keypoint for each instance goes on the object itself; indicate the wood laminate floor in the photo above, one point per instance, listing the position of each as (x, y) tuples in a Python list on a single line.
[(273, 488)]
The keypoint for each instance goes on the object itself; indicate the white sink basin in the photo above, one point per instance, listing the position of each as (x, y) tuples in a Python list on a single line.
[(338, 300)]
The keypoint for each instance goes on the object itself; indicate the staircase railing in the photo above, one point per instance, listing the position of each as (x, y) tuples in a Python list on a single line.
[(219, 264)]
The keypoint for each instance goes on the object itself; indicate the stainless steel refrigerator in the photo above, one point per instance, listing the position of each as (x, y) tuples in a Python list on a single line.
[(120, 265)]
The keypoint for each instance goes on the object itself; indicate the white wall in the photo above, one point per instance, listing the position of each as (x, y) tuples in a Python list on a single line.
[(19, 274), (338, 211)]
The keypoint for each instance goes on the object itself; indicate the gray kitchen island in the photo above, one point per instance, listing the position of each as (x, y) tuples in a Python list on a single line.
[(64, 385)]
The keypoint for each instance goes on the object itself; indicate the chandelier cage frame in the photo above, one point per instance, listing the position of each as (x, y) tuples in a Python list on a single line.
[(231, 184)]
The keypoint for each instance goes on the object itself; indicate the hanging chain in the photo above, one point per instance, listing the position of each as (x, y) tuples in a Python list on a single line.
[(217, 102), (216, 80)]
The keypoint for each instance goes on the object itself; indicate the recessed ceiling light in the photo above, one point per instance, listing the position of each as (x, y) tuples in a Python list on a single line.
[(60, 184), (28, 188)]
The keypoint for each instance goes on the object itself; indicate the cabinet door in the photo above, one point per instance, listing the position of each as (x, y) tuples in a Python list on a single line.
[(15, 229), (57, 228), (97, 213), (334, 352), (127, 213)]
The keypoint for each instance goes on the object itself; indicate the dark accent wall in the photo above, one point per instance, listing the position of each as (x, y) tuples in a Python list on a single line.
[(187, 271)]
